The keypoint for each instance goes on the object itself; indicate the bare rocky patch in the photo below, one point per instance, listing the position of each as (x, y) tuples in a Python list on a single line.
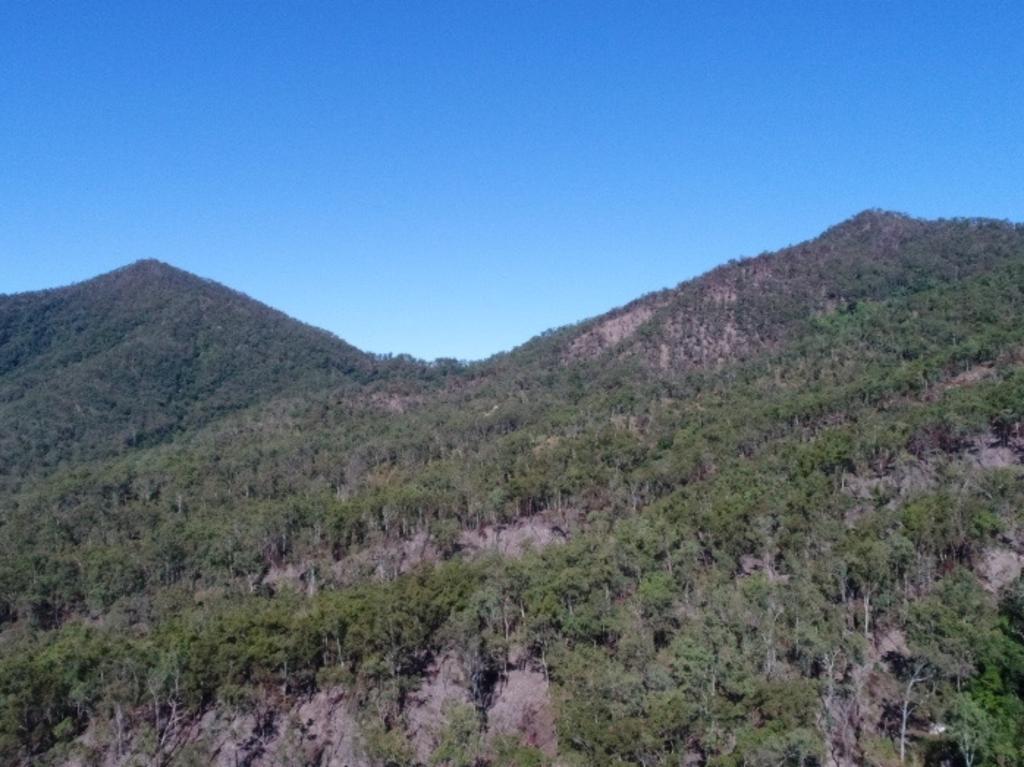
[(515, 539), (614, 329), (522, 707), (444, 684), (316, 730), (389, 560), (999, 567), (912, 475)]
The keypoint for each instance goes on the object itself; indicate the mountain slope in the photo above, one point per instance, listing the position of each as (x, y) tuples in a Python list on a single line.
[(800, 547), (743, 307), (134, 356)]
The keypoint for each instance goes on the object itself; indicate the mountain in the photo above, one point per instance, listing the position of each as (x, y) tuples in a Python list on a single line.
[(771, 516), (133, 357), (743, 307)]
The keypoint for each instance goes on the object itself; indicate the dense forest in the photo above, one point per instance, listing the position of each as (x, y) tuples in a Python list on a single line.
[(772, 516)]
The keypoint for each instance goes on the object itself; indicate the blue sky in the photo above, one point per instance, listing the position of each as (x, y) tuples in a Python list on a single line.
[(449, 179)]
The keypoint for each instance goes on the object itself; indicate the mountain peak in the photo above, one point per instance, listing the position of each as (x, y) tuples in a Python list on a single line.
[(148, 271), (872, 221), (150, 266), (877, 215)]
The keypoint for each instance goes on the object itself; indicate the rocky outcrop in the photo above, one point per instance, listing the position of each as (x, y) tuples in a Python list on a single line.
[(317, 730)]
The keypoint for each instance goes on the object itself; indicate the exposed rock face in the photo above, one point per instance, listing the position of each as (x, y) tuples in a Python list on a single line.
[(387, 561), (613, 329), (515, 539), (999, 567), (522, 706), (319, 730), (444, 685)]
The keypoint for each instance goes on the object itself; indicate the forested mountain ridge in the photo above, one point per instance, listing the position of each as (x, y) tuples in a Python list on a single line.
[(740, 308), (136, 355), (131, 358), (771, 516)]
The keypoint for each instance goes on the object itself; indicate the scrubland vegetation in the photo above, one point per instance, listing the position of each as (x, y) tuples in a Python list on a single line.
[(788, 497)]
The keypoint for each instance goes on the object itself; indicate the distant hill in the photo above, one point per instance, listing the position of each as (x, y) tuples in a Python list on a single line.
[(135, 356)]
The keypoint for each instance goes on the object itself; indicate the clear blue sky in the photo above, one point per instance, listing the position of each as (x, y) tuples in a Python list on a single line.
[(450, 179)]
